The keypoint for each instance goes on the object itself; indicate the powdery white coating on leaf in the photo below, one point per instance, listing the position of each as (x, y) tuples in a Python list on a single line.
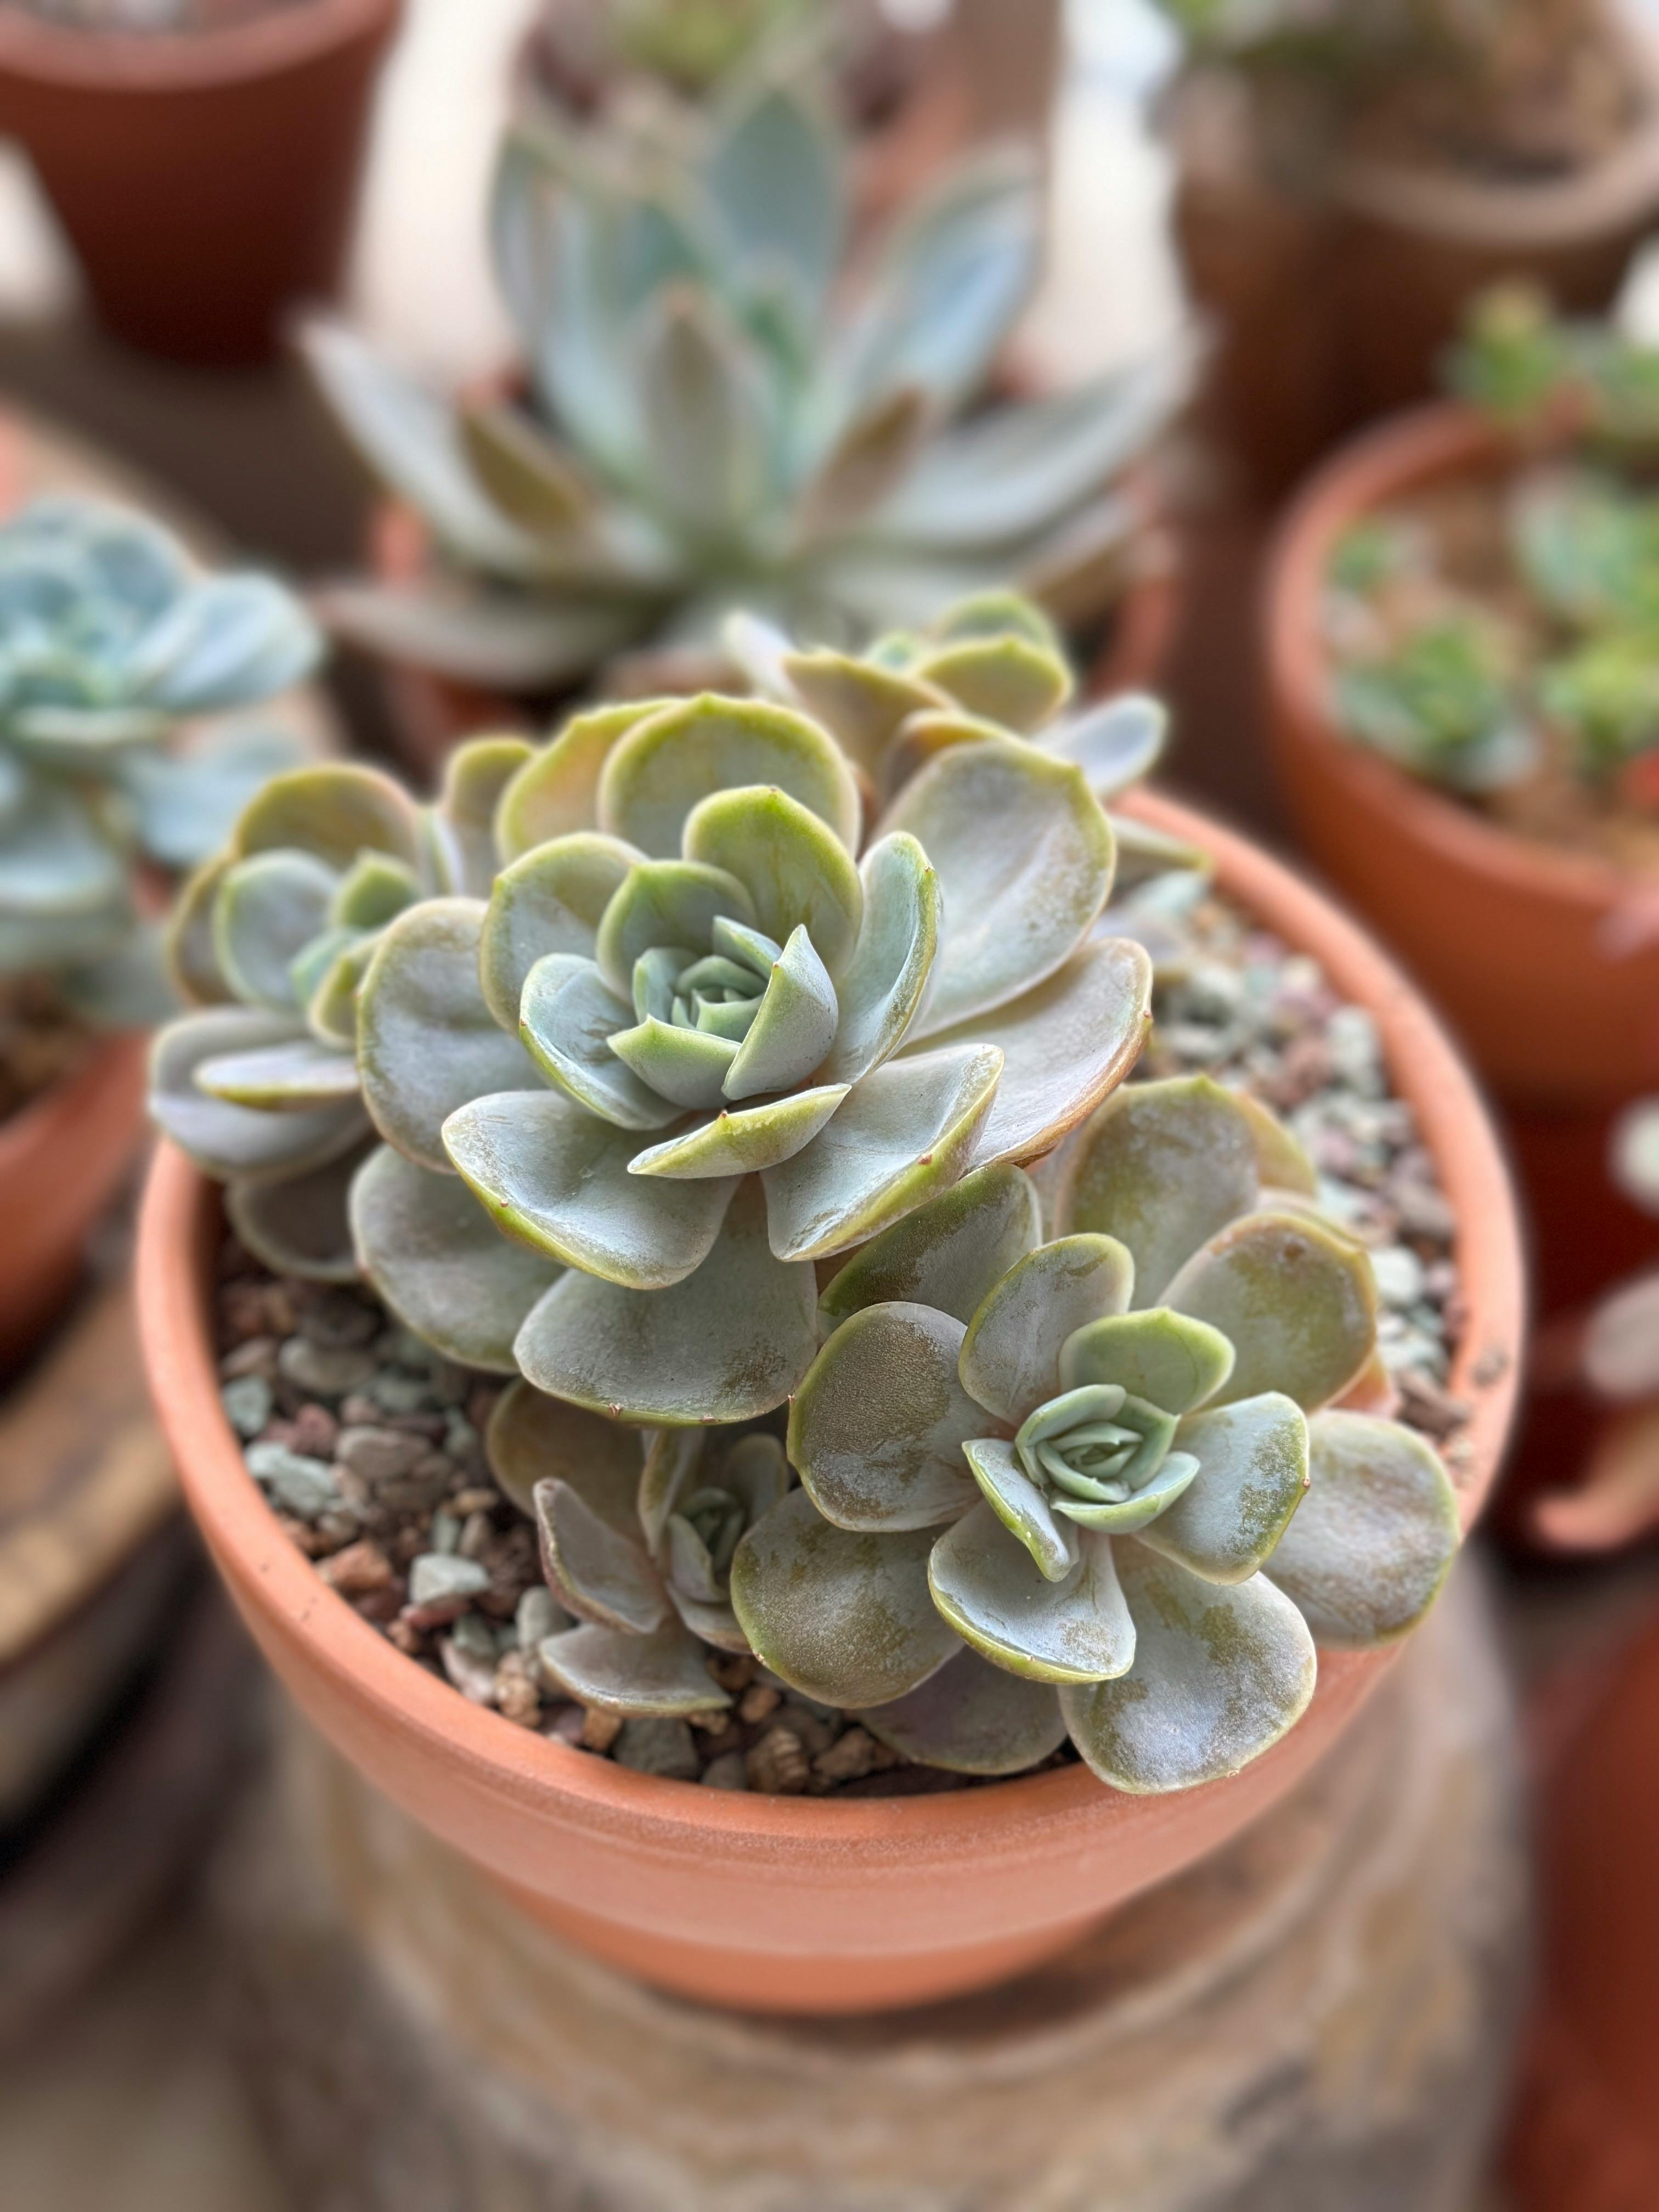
[(1295, 1300), (793, 1026), (948, 1254), (1281, 1162), (1024, 856), (877, 1426), (334, 810), (568, 1015), (476, 775), (669, 763), (796, 870), (233, 1143), (743, 1140), (269, 909), (843, 1618), (674, 902), (534, 1438), (642, 1676), (1253, 1476), (1115, 743), (863, 703), (1220, 1675), (282, 1078), (426, 1041), (1012, 680), (438, 1262), (1011, 1358), (1022, 1506), (886, 979), (596, 1570), (1375, 1536), (1167, 1359), (1162, 1166), (557, 792), (988, 1588), (552, 900), (972, 1718)]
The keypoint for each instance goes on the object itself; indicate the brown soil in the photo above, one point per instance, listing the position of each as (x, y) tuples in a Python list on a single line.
[(40, 1041)]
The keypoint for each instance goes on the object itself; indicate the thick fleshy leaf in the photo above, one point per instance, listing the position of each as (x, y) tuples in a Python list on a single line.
[(555, 1177), (877, 1429), (439, 1262), (972, 1718), (1296, 1301), (688, 1066), (647, 1677), (924, 737), (373, 891), (1010, 680), (792, 1027), (704, 414), (663, 903), (475, 777), (268, 909), (55, 859), (520, 642), (743, 1140), (557, 793), (886, 980), (1220, 1675), (533, 480), (794, 870), (1162, 1166), (1144, 1508), (332, 1009), (1024, 856), (988, 1587), (1376, 1535), (666, 765), (776, 180), (1280, 1162), (550, 900), (187, 939), (840, 1616), (1067, 1045), (334, 810), (426, 1043), (1253, 1461), (568, 1016), (533, 1438), (596, 1571), (863, 703), (286, 1077), (866, 463), (240, 1143), (1022, 1507), (948, 1254), (1114, 745), (729, 1343), (300, 1226), (1011, 1357), (1166, 1357), (902, 1135)]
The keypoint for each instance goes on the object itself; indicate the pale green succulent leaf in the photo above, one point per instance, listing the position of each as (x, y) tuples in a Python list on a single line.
[(1296, 1299), (507, 641), (1221, 1674), (776, 178), (1024, 856), (1009, 680), (1375, 1537), (55, 859), (796, 871), (1011, 1357), (1144, 1508), (1281, 1163), (551, 899), (557, 1178), (705, 418), (1022, 1506), (1253, 1458), (528, 476), (230, 1142), (426, 1043), (665, 902), (1115, 745), (842, 1616), (1169, 1359), (792, 1028), (657, 1677), (300, 1226), (865, 704), (568, 1016), (987, 1586), (868, 462), (557, 793), (667, 764), (187, 936), (947, 1255), (596, 1570), (332, 1008), (268, 910), (334, 810), (1163, 1167), (743, 1140), (373, 891), (885, 984), (972, 1718), (288, 1077), (476, 775), (877, 1428), (534, 1438), (901, 1136), (728, 1343)]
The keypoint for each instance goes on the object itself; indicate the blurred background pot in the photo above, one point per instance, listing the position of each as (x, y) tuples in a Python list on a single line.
[(208, 178), (800, 1905)]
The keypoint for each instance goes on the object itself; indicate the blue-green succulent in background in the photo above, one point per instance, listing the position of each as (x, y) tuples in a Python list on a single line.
[(717, 415), (113, 643)]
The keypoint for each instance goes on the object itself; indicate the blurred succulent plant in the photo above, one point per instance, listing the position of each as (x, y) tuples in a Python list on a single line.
[(717, 419), (1544, 376), (1444, 704), (110, 641), (1046, 1484), (689, 45)]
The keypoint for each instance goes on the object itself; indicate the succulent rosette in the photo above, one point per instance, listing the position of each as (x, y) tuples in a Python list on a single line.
[(1095, 1484), (693, 1044)]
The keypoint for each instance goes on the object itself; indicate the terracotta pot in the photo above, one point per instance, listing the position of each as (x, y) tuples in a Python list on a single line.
[(433, 712), (62, 1161), (206, 179), (802, 1904), (1538, 958)]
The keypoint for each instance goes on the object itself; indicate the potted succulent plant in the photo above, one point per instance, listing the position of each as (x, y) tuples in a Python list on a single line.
[(1353, 170), (714, 420), (202, 155), (747, 1144), (1461, 657), (114, 650)]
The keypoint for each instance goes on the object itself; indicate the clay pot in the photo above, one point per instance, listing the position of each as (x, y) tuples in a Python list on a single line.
[(803, 1906), (1538, 958), (62, 1161), (206, 179)]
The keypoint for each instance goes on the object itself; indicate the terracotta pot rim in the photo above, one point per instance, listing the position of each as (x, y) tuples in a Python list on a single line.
[(136, 61), (1401, 454), (28, 1134), (179, 1213)]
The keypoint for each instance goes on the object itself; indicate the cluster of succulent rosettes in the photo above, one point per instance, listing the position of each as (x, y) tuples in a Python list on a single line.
[(1091, 1484), (110, 641)]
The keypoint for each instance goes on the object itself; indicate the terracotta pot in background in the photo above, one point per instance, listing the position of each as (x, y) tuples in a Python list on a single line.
[(206, 179), (803, 1904), (1541, 959), (62, 1161)]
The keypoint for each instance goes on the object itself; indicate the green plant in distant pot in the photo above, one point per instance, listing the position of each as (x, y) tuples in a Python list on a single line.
[(717, 418), (113, 646)]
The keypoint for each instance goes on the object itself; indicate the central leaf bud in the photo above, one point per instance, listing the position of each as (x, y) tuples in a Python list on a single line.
[(1103, 1457)]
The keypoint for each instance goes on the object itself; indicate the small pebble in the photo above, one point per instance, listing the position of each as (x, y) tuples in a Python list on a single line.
[(247, 1402), (778, 1764), (1399, 1274), (473, 1677), (599, 1730), (328, 1371), (725, 1772), (256, 1356), (437, 1576), (538, 1613), (378, 1454), (302, 1485), (758, 1703), (657, 1746), (849, 1759), (362, 1568)]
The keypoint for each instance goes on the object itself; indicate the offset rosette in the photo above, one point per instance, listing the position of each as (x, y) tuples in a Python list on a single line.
[(1101, 1465)]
